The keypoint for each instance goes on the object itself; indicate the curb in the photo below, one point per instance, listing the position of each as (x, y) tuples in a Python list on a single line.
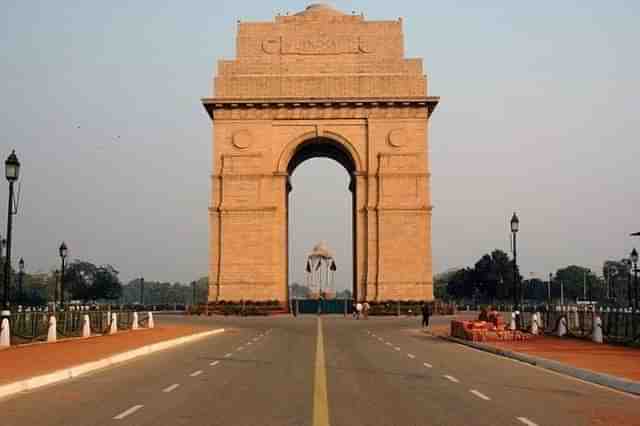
[(78, 370), (617, 383)]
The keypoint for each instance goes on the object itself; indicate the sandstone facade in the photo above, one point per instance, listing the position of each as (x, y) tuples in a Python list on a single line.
[(320, 83)]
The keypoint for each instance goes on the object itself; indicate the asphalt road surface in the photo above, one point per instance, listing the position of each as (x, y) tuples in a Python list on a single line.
[(320, 371)]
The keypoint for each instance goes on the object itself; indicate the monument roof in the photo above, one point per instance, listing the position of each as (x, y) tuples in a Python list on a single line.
[(321, 250), (320, 9)]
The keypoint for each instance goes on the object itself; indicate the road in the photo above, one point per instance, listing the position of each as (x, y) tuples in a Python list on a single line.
[(276, 371)]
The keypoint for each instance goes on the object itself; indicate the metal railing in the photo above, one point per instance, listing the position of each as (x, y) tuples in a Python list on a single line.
[(33, 326)]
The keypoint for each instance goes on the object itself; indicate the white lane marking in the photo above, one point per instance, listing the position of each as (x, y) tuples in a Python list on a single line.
[(526, 421), (196, 373), (214, 363), (227, 355), (480, 395), (240, 348), (397, 348), (451, 378), (128, 412), (426, 364), (388, 343), (249, 343), (170, 388), (412, 356)]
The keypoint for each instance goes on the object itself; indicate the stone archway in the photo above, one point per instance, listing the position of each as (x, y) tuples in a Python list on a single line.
[(320, 83), (340, 151)]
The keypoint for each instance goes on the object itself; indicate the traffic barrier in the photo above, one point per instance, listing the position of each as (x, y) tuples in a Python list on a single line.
[(5, 334), (86, 326), (596, 335), (52, 334), (134, 324), (113, 329)]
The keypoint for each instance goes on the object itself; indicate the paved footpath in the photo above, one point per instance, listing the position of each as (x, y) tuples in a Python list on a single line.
[(23, 362), (320, 371), (617, 361)]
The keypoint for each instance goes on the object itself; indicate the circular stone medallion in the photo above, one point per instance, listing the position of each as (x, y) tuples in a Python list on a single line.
[(242, 139), (397, 138)]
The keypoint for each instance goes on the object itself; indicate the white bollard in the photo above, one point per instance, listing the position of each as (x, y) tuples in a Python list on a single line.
[(540, 322), (512, 324), (596, 335), (86, 326), (52, 334), (134, 324), (5, 334), (562, 326), (114, 324), (534, 324), (150, 323)]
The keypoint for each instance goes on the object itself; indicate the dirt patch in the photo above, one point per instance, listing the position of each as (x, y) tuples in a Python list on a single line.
[(22, 362)]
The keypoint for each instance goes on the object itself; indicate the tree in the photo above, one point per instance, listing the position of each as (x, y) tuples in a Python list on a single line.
[(86, 281), (461, 284), (300, 291), (578, 280)]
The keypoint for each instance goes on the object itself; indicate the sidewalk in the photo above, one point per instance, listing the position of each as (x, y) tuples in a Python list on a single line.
[(617, 367), (23, 362), (617, 361)]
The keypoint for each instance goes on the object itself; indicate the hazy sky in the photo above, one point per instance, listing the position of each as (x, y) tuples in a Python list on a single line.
[(539, 114)]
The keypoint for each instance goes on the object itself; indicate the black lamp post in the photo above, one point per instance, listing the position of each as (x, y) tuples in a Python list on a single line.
[(63, 255), (142, 291), (20, 278), (12, 172), (56, 273), (515, 226), (549, 288), (634, 261)]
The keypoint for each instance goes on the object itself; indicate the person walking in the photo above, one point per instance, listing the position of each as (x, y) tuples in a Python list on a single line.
[(425, 315), (358, 310), (365, 309)]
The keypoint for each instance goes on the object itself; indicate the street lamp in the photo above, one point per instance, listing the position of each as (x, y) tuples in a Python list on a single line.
[(634, 261), (515, 226), (142, 291), (20, 277), (63, 255), (12, 172), (549, 288)]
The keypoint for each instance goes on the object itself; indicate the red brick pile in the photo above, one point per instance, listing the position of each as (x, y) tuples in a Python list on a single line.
[(482, 331)]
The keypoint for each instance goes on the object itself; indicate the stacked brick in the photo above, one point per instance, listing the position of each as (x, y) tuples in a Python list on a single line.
[(482, 331)]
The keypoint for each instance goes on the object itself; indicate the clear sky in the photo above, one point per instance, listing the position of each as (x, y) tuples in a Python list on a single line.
[(539, 114)]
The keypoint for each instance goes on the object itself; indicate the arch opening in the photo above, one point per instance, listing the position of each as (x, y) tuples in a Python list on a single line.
[(324, 148)]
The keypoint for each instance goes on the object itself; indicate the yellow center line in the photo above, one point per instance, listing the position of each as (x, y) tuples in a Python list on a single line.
[(320, 402)]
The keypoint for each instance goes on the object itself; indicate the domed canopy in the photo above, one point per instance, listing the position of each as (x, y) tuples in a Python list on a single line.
[(321, 250), (320, 9)]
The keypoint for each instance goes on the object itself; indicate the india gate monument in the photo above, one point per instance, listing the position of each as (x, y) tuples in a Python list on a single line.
[(320, 83)]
